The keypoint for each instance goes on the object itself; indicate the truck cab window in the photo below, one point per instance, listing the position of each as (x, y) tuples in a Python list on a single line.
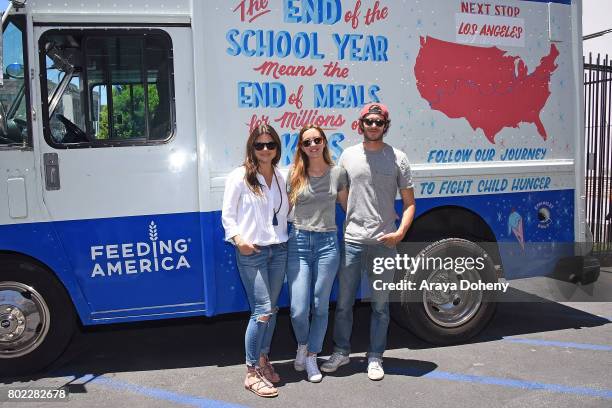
[(66, 99), (105, 89), (13, 94)]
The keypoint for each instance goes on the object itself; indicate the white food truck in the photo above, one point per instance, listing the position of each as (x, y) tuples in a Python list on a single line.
[(119, 122)]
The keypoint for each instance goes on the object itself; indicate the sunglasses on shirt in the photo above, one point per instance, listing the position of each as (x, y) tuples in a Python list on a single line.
[(308, 142), (267, 145), (377, 122)]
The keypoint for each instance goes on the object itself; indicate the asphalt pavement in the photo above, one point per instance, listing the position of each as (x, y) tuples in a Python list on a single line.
[(535, 353)]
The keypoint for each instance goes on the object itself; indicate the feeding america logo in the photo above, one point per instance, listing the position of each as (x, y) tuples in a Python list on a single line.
[(138, 257)]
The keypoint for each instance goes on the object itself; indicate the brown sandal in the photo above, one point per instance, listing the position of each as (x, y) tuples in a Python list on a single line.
[(268, 371), (261, 386)]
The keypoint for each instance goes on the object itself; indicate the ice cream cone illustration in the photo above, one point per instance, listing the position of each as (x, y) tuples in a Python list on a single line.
[(515, 226)]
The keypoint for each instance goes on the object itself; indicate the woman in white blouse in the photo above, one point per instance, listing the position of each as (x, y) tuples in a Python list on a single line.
[(254, 216)]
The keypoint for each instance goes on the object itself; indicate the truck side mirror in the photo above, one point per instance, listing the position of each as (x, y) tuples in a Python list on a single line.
[(15, 71)]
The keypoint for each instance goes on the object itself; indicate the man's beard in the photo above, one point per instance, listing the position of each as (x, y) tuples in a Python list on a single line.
[(373, 138)]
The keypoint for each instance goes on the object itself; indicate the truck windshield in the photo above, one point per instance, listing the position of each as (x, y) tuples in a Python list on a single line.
[(12, 94)]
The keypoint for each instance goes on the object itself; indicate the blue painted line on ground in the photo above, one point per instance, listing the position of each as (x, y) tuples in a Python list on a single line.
[(504, 382), (183, 399), (156, 393), (581, 346)]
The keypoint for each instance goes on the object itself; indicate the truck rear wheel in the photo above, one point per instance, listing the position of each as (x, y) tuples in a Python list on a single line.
[(447, 316), (37, 320)]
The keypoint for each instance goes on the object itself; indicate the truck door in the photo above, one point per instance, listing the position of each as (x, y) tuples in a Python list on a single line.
[(120, 168), (17, 174)]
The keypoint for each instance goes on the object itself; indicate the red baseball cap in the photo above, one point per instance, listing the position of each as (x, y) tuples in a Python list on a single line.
[(377, 108)]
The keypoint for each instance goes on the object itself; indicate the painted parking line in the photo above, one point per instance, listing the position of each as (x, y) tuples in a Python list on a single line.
[(156, 393), (581, 346), (504, 382)]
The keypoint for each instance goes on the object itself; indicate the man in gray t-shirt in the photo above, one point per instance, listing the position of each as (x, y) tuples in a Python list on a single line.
[(376, 171)]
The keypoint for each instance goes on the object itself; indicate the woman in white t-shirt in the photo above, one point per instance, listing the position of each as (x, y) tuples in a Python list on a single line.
[(254, 215)]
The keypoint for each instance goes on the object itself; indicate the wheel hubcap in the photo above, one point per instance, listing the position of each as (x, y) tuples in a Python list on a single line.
[(451, 307), (24, 319)]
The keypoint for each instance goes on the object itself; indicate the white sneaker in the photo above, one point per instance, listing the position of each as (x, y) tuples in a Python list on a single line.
[(375, 369), (300, 357), (312, 370), (334, 361)]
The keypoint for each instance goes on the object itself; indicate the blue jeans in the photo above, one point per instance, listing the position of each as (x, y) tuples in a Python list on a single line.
[(357, 259), (262, 275), (312, 266)]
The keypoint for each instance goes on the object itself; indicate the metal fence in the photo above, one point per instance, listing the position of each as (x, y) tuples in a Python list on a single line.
[(598, 147)]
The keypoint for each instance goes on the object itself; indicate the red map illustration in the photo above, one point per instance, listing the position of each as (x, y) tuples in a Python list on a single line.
[(488, 88)]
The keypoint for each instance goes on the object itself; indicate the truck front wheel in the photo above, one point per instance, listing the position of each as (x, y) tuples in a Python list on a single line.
[(436, 308), (37, 320)]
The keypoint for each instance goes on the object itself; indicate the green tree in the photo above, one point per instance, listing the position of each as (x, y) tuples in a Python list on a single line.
[(128, 112)]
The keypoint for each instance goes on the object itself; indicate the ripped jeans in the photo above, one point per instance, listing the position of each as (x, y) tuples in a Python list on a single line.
[(262, 275)]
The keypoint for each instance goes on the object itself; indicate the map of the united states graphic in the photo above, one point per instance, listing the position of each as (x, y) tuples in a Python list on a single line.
[(484, 85)]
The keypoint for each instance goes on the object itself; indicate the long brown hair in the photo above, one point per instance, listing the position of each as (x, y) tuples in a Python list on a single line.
[(299, 173), (250, 160)]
